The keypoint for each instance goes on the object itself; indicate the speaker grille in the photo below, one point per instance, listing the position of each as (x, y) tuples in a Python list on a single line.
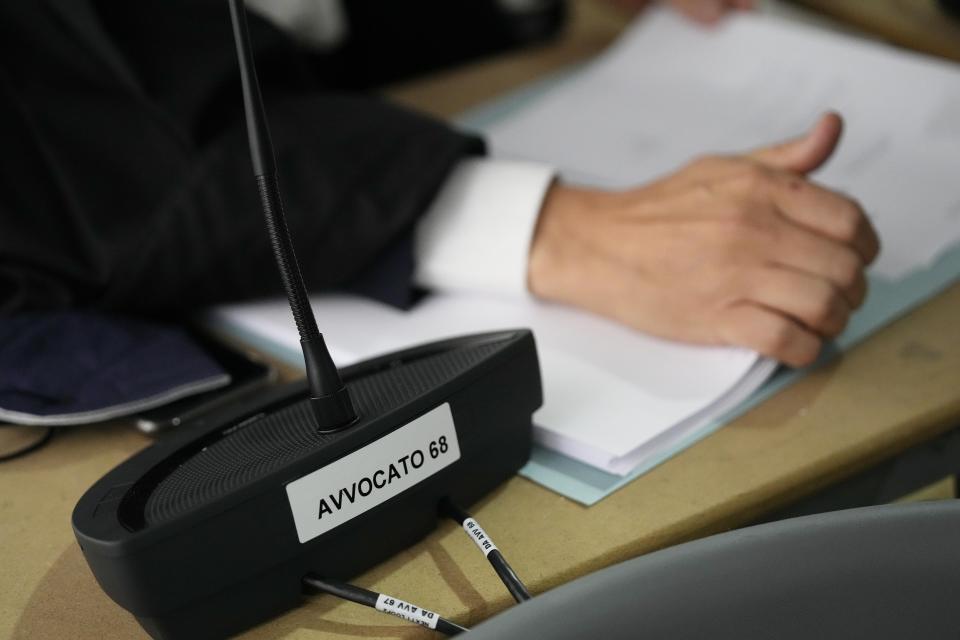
[(263, 444)]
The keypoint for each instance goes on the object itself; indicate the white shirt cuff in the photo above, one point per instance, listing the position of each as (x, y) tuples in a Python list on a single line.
[(476, 235)]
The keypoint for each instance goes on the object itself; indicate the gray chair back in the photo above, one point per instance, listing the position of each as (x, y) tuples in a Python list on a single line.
[(878, 572)]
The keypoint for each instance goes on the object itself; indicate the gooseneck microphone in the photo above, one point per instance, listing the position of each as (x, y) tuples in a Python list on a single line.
[(217, 527), (329, 398)]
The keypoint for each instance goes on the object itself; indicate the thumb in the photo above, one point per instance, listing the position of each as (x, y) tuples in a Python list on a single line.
[(809, 151)]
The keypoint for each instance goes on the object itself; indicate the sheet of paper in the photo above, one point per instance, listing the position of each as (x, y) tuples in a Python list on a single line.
[(669, 91), (609, 391)]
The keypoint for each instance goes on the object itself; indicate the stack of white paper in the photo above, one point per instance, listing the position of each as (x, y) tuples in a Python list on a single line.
[(611, 394)]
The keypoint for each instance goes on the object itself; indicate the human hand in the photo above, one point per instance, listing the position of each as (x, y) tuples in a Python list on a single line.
[(704, 11), (741, 250)]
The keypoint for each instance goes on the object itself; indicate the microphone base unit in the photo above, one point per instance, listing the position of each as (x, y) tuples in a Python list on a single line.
[(211, 531)]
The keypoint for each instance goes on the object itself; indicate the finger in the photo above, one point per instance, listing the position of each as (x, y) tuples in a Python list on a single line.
[(705, 11), (826, 212), (809, 151), (835, 264), (808, 299), (802, 250), (768, 333)]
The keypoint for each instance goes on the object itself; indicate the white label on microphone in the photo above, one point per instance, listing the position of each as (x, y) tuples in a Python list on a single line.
[(479, 536), (334, 494), (407, 611)]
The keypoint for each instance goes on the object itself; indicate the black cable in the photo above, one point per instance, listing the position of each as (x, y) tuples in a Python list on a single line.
[(506, 573), (30, 448), (384, 603)]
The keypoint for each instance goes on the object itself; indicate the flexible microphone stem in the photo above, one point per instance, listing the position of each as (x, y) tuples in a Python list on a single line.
[(329, 398)]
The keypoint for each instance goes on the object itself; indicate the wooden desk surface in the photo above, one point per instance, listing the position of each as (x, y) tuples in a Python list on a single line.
[(897, 389), (915, 24)]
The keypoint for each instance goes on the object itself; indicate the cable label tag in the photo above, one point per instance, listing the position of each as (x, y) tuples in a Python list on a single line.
[(335, 494), (407, 611), (479, 536)]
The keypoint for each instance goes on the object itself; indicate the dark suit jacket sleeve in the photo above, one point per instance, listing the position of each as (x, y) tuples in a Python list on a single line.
[(125, 182)]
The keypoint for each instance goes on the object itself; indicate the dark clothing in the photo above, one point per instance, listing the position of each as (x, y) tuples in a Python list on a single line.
[(125, 182), (390, 41), (76, 367)]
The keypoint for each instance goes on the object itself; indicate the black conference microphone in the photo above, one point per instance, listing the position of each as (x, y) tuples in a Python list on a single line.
[(214, 529)]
